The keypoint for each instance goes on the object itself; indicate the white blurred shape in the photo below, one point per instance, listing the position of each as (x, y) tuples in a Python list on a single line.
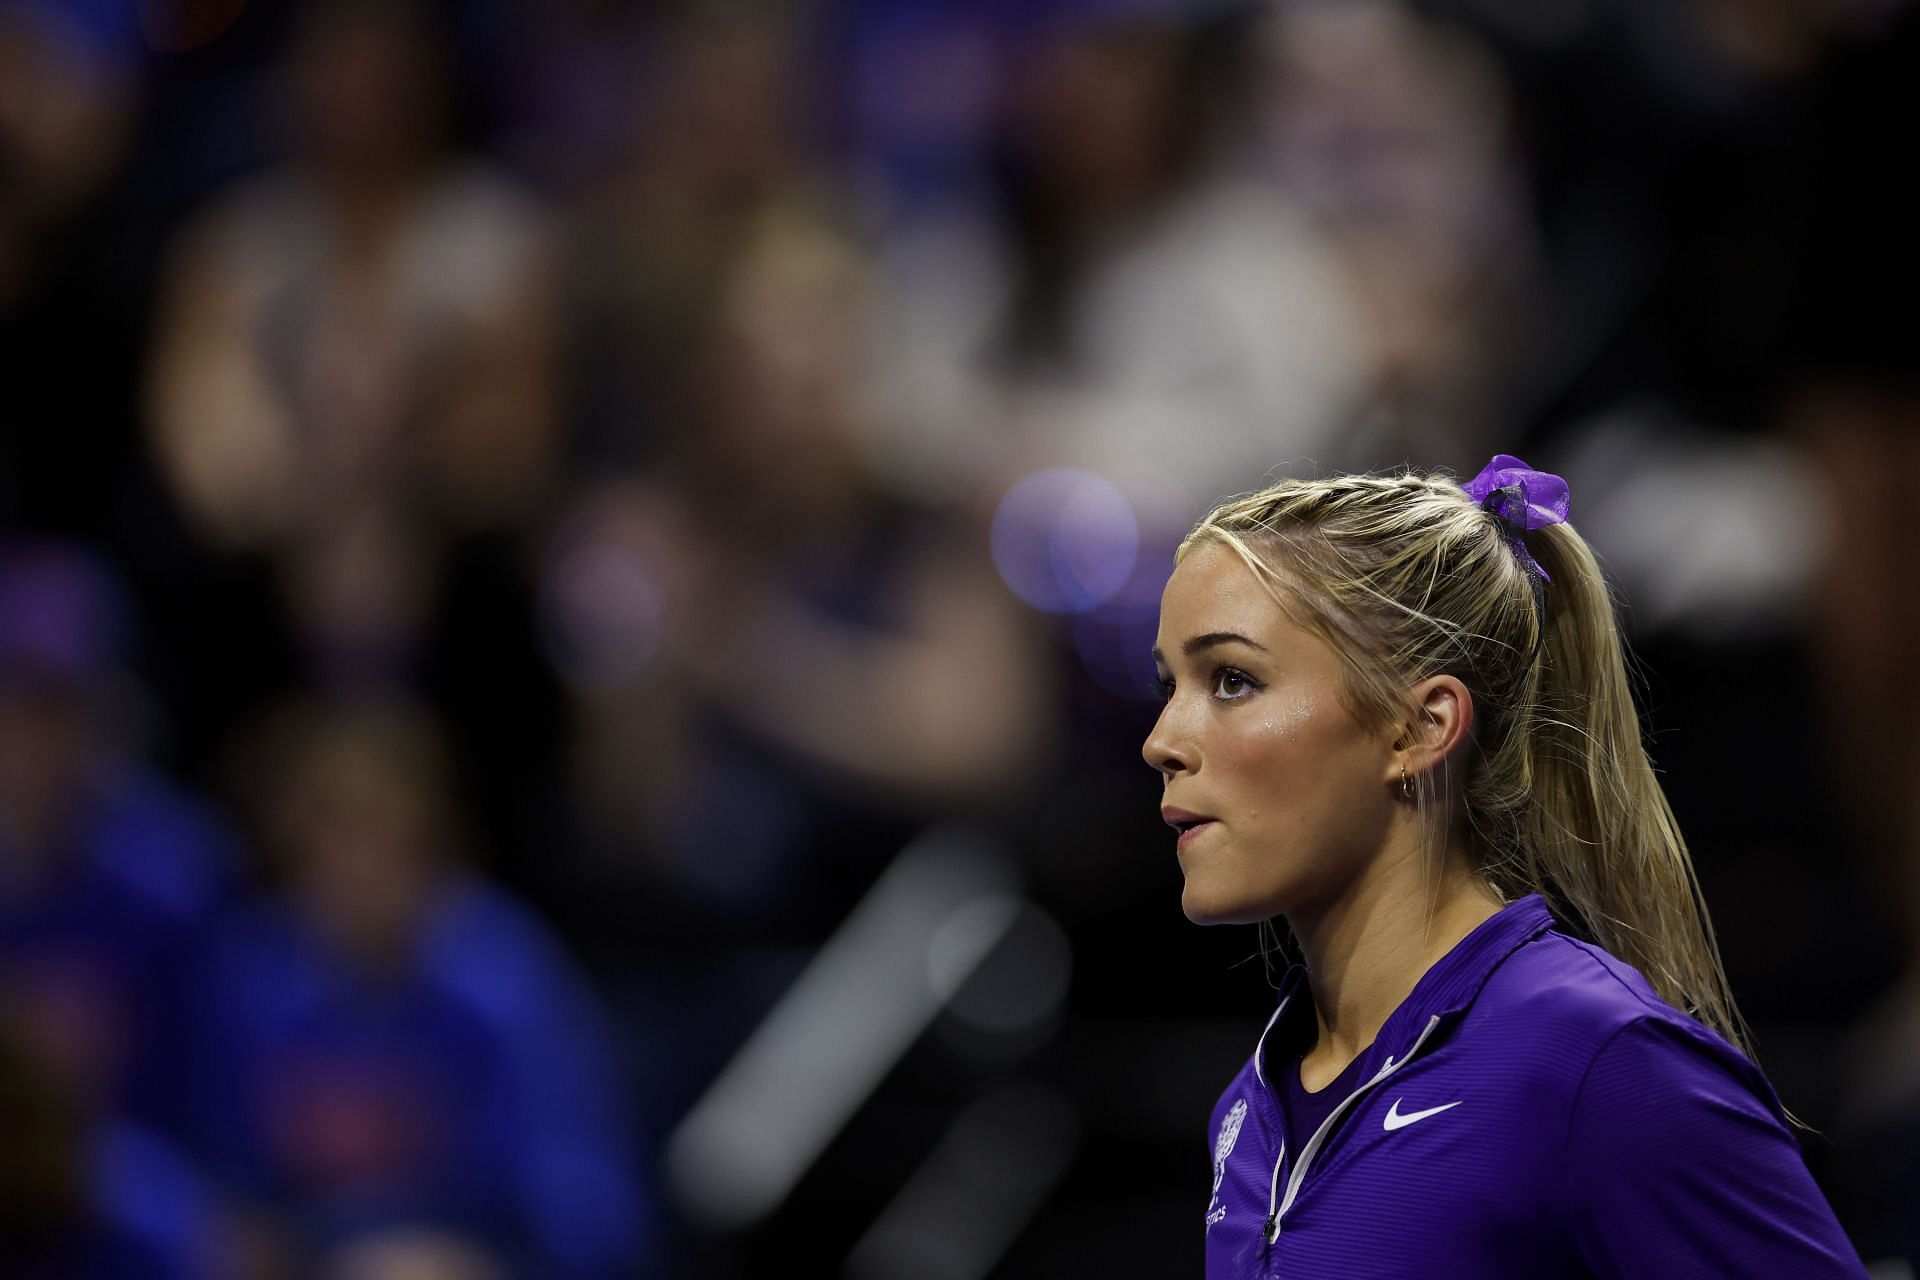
[(1002, 964), (967, 936), (826, 1046), (1709, 533), (1221, 337)]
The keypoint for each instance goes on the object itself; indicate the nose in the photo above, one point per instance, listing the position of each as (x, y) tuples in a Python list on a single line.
[(1165, 750)]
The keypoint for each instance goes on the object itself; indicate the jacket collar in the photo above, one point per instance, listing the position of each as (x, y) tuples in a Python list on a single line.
[(1446, 990)]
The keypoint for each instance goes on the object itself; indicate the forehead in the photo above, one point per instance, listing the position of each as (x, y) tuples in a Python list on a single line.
[(1213, 589)]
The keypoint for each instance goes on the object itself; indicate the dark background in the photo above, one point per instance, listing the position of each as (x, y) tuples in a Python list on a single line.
[(528, 527)]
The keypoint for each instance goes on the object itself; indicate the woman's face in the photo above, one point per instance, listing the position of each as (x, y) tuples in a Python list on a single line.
[(1296, 795)]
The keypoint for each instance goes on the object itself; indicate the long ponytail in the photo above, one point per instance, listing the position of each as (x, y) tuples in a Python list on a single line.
[(1599, 840)]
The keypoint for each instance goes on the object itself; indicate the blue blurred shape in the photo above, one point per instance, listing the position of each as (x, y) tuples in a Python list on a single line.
[(95, 36), (1115, 640), (475, 1088), (63, 613), (1065, 540), (153, 1202)]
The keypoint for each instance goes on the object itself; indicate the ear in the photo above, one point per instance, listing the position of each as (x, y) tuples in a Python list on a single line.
[(1442, 722)]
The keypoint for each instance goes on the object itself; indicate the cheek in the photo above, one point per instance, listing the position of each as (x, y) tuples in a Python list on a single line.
[(1275, 748), (1305, 767)]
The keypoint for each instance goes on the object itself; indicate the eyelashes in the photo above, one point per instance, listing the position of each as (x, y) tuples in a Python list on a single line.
[(1226, 684), (1243, 684)]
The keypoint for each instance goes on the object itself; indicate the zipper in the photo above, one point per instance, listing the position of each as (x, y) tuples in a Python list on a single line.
[(1299, 1175), (1267, 1233)]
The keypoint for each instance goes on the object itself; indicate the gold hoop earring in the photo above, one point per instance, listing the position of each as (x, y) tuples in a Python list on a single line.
[(1406, 784)]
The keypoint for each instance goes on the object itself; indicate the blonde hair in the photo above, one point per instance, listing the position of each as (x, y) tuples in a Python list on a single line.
[(1405, 577)]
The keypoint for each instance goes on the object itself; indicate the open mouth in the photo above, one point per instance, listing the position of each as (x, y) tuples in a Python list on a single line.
[(1186, 825), (1189, 829)]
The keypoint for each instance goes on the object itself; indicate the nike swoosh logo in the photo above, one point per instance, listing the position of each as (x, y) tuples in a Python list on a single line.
[(1397, 1121)]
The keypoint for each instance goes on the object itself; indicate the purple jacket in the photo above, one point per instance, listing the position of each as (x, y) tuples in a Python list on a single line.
[(1531, 1110)]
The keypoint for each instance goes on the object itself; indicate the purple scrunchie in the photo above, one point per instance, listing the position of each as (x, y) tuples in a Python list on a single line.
[(1520, 498)]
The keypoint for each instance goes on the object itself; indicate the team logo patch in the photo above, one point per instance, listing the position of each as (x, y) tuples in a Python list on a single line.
[(1222, 1148)]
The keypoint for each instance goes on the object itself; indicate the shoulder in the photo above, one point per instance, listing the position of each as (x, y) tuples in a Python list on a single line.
[(1565, 987), (1594, 1017), (1558, 1006), (1670, 1127)]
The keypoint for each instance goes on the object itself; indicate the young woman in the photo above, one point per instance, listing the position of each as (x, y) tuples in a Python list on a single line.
[(1398, 714)]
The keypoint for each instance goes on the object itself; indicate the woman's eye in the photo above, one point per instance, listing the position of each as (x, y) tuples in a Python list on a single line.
[(1229, 684), (1165, 687)]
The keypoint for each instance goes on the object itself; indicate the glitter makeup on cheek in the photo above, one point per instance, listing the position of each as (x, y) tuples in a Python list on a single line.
[(1293, 713)]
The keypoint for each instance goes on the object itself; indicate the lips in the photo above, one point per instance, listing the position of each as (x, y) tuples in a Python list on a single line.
[(1190, 825)]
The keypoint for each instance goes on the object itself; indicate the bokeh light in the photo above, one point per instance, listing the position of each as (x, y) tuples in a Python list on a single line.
[(1065, 539)]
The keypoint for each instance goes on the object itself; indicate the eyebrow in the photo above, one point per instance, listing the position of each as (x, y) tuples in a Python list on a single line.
[(1212, 639)]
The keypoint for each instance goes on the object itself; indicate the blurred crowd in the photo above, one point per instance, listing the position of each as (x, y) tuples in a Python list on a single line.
[(514, 513)]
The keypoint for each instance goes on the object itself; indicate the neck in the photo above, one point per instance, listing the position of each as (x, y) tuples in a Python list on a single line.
[(1367, 949)]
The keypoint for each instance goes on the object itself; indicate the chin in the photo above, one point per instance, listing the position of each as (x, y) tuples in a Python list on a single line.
[(1230, 899), (1200, 908)]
